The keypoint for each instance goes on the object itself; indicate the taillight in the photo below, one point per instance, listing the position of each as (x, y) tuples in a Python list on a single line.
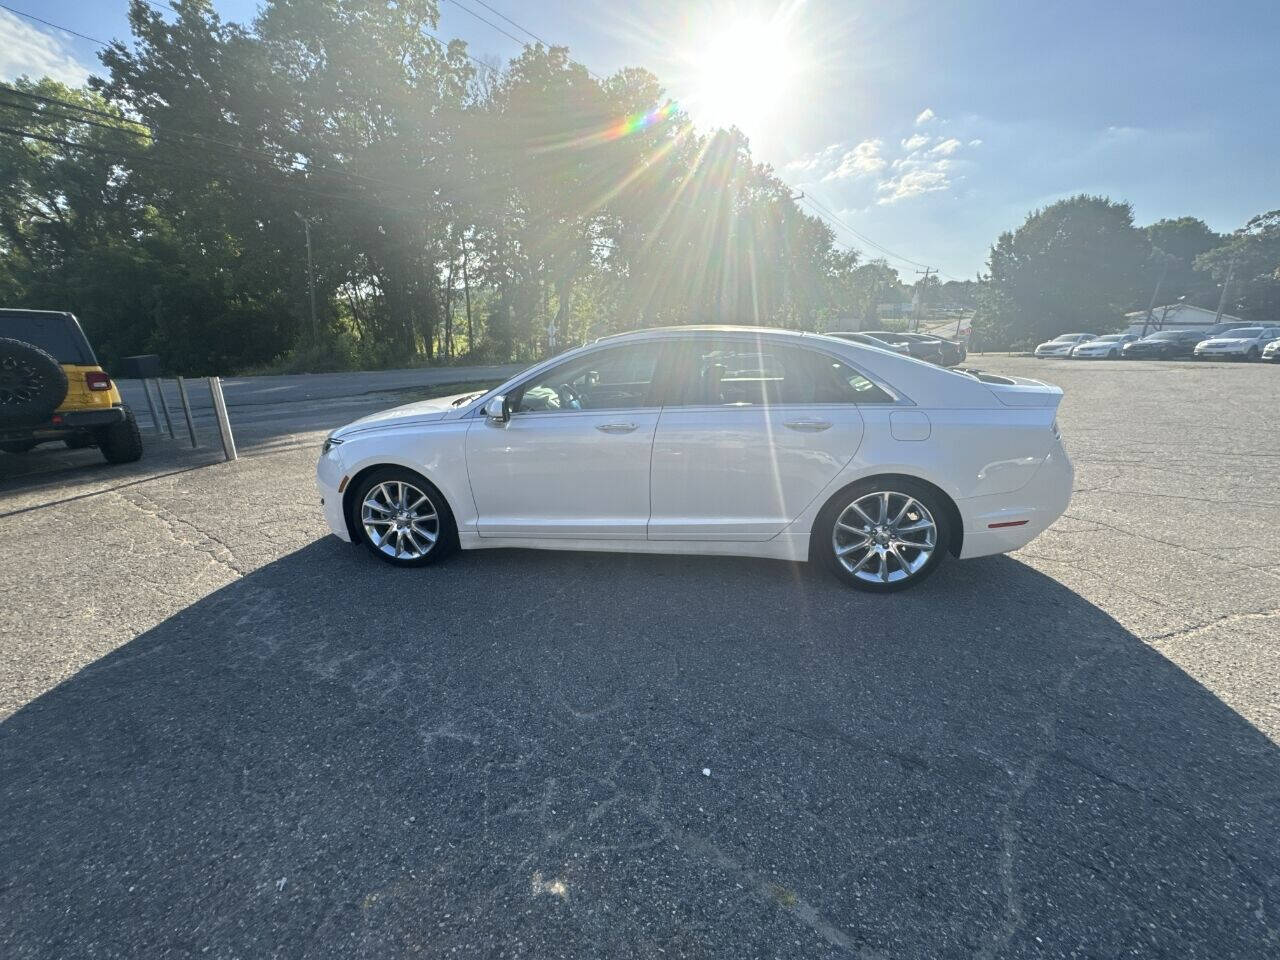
[(97, 380)]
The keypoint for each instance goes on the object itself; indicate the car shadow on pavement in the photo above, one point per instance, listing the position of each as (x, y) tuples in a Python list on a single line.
[(517, 753)]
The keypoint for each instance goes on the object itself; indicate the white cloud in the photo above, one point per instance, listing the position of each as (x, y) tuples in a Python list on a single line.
[(862, 160), (975, 143), (915, 141), (946, 147), (912, 184), (824, 159), (36, 53), (924, 116)]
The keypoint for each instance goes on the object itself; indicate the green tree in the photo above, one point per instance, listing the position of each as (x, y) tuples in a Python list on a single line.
[(1078, 264), (1252, 256)]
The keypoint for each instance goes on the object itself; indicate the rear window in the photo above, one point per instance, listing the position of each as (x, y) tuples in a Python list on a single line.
[(55, 333)]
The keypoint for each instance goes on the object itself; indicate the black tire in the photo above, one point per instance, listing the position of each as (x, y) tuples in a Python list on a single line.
[(1113, 355), (900, 489), (32, 383), (1253, 354), (445, 528), (78, 441), (121, 442), (18, 446)]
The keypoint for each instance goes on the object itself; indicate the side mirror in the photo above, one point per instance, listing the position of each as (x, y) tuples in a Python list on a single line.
[(497, 410)]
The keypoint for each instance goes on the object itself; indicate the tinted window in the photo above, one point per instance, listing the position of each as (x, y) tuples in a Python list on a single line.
[(55, 334), (614, 379), (743, 373)]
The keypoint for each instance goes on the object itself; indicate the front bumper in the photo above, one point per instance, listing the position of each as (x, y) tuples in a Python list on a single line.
[(1042, 353), (329, 475), (1224, 353)]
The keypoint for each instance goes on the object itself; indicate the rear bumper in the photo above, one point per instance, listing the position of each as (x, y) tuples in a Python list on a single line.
[(65, 422), (1033, 508)]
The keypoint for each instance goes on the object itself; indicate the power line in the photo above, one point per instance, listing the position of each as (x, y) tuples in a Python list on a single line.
[(49, 23), (520, 27)]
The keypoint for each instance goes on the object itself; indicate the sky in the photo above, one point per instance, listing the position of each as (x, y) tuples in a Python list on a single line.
[(927, 128)]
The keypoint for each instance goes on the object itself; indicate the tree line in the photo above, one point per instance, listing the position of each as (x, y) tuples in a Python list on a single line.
[(458, 209), (1081, 264)]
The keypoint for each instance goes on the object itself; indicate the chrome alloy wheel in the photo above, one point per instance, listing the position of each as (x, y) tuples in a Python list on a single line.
[(400, 520), (884, 537)]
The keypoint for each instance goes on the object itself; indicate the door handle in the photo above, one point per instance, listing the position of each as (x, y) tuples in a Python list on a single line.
[(615, 427), (812, 426)]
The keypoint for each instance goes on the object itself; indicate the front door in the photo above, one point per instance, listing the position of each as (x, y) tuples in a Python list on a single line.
[(573, 460), (752, 433)]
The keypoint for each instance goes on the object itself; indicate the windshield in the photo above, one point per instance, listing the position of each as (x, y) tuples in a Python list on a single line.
[(1067, 337), (1165, 335), (1109, 338), (1247, 332)]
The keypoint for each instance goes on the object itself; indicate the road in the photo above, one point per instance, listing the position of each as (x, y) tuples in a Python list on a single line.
[(226, 734)]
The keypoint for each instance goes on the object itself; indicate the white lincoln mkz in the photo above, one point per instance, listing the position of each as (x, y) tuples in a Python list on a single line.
[(717, 440)]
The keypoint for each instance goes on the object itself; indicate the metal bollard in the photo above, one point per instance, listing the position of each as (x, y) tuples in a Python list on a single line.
[(224, 424), (164, 406), (186, 410), (151, 405)]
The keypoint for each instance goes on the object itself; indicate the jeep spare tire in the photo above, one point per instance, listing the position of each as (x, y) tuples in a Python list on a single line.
[(32, 384)]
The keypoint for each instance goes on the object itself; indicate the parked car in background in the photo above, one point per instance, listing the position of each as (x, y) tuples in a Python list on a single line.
[(1107, 347), (1063, 345), (712, 440), (51, 388), (1164, 345), (1271, 352), (925, 348), (951, 351), (1241, 343)]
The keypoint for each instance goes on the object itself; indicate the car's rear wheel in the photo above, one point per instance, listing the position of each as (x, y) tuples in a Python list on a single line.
[(884, 535), (1253, 354), (32, 383), (1113, 355), (121, 442), (403, 518)]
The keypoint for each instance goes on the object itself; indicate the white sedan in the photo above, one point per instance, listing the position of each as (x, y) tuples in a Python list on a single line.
[(712, 440), (1063, 345), (1241, 343), (1108, 347)]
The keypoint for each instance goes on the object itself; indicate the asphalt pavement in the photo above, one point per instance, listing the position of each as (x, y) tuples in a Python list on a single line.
[(226, 734)]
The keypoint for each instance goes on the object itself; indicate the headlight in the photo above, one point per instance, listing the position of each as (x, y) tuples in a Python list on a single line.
[(329, 444)]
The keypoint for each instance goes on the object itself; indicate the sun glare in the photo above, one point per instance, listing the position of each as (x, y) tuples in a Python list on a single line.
[(745, 75)]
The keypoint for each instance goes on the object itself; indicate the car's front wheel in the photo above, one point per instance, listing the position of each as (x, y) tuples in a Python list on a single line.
[(403, 518), (883, 535), (1253, 354)]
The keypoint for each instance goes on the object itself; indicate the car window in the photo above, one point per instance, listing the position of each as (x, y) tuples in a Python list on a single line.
[(1247, 332), (55, 334), (616, 379), (743, 373)]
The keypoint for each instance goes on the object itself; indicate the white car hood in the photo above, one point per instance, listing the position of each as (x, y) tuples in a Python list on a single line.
[(1228, 341), (421, 411)]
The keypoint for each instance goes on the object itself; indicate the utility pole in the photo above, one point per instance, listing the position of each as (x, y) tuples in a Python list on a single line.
[(1154, 296), (311, 277), (1222, 299), (921, 289)]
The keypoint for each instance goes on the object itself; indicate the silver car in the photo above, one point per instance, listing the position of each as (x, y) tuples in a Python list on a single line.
[(1063, 345), (1241, 343)]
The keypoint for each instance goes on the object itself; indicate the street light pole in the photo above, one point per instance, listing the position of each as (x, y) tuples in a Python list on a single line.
[(311, 277)]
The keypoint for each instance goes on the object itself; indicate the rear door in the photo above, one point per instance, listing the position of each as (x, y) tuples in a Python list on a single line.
[(750, 432)]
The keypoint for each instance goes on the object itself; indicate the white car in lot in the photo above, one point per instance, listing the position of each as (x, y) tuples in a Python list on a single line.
[(712, 440), (1063, 345), (1242, 343), (1108, 347)]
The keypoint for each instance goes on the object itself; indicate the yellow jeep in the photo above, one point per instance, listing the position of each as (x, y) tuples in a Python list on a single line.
[(51, 388)]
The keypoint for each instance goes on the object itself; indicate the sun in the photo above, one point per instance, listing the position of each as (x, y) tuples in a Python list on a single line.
[(745, 73)]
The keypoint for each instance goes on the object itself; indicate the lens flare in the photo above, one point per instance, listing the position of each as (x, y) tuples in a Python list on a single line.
[(640, 121)]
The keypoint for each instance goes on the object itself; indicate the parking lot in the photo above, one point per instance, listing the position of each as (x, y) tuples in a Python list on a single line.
[(226, 734)]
